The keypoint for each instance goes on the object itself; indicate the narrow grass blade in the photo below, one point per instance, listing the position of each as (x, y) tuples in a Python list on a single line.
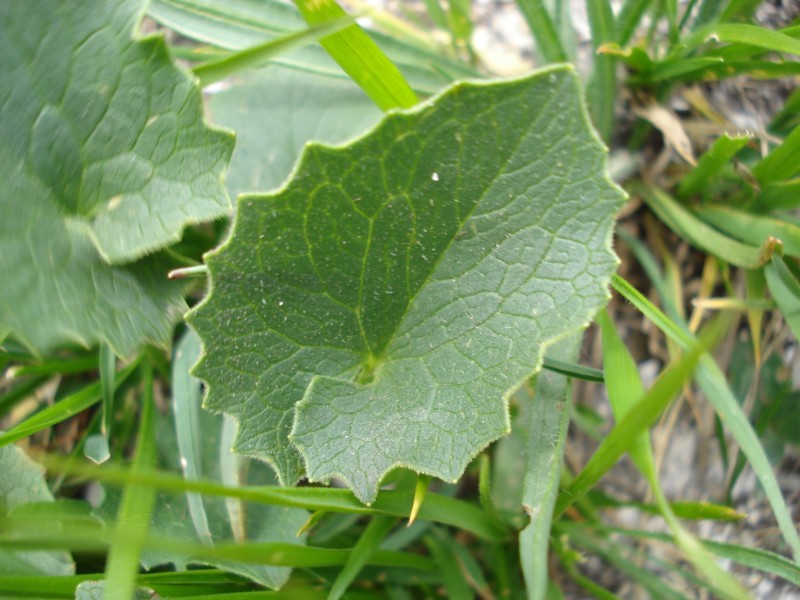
[(548, 422), (460, 21), (651, 268), (259, 55), (740, 10), (230, 465), (467, 563), (694, 511), (187, 396), (636, 421), (783, 162), (752, 229), (573, 370), (629, 18), (485, 490), (568, 559), (785, 289), (678, 69), (754, 558), (715, 387), (756, 287), (62, 410), (702, 236), (624, 386), (780, 195), (57, 367), (711, 163), (709, 12), (360, 57), (96, 447), (454, 581), (436, 13), (437, 507), (602, 88), (133, 521), (543, 29), (377, 529), (739, 33), (597, 542), (94, 539), (40, 586), (108, 363), (789, 116)]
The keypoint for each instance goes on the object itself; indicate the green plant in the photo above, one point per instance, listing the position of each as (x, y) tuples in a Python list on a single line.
[(412, 290)]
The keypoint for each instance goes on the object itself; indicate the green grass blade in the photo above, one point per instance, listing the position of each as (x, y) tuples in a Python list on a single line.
[(467, 563), (651, 269), (62, 410), (637, 420), (568, 558), (543, 29), (783, 162), (629, 18), (259, 55), (739, 33), (786, 291), (624, 386), (360, 57), (603, 546), (547, 433), (58, 367), (740, 10), (133, 520), (709, 12), (711, 163), (752, 229), (678, 69), (714, 385), (602, 89), (573, 370), (780, 195), (377, 529), (694, 511), (187, 397), (96, 446), (93, 539), (700, 235), (437, 507), (755, 558), (454, 581), (40, 586), (108, 363), (789, 116)]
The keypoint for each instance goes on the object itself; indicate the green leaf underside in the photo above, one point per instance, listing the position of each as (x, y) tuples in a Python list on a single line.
[(382, 306), (104, 158)]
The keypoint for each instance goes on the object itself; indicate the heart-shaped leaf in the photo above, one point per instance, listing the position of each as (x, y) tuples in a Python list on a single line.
[(378, 310), (104, 157)]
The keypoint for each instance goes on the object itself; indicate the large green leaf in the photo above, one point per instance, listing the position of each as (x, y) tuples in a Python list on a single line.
[(276, 111), (104, 157), (21, 484), (382, 306)]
